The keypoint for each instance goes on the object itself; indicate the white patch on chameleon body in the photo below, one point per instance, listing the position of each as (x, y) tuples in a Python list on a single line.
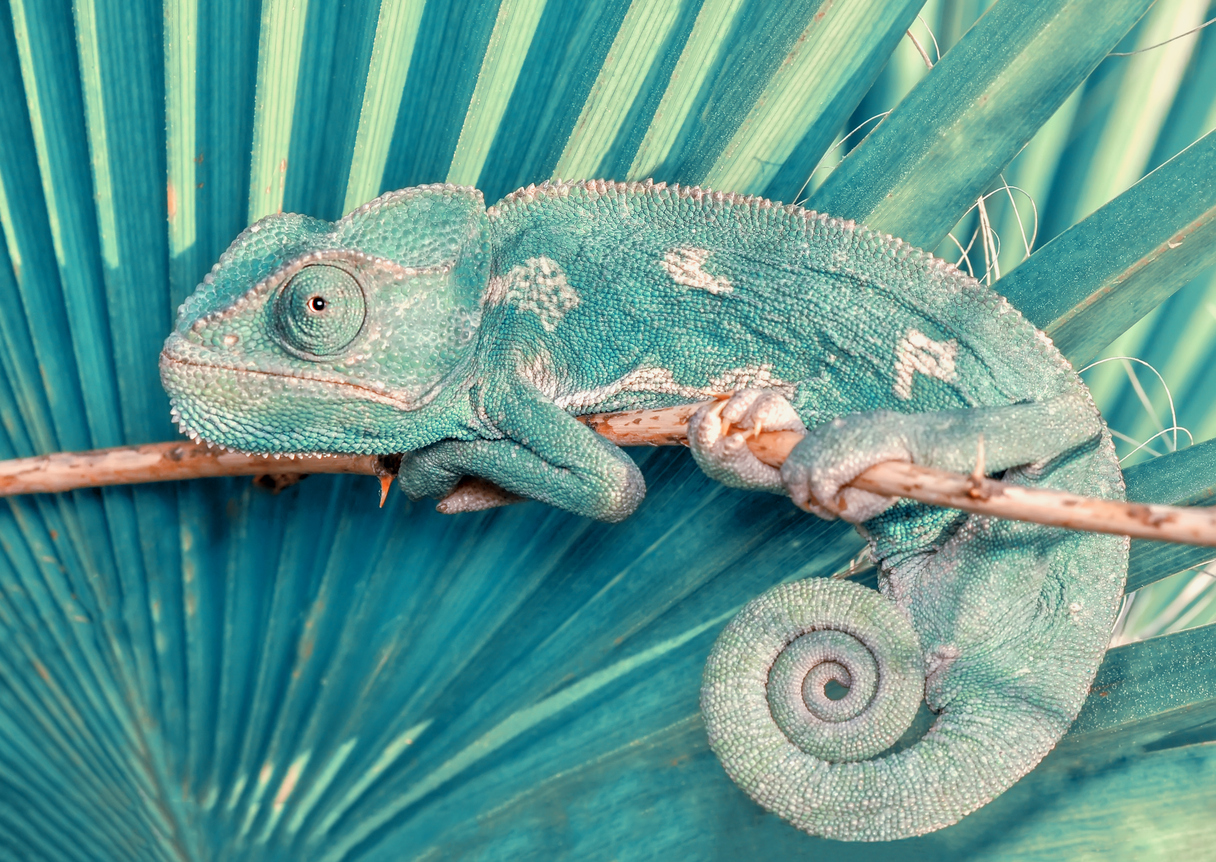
[(538, 285), (495, 292), (684, 265), (645, 379), (918, 352), (749, 377), (539, 372), (661, 381)]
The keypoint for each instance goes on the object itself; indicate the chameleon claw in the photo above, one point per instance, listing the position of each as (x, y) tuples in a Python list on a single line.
[(386, 467), (474, 494), (716, 412), (975, 482)]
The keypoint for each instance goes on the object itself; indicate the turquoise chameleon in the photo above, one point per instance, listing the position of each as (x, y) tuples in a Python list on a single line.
[(469, 338)]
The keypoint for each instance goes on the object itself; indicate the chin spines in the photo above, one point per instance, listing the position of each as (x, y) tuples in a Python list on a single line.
[(189, 431)]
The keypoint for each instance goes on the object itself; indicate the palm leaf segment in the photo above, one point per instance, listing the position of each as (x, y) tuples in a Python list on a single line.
[(203, 671)]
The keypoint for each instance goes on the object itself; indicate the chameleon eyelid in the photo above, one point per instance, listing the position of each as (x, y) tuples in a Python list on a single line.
[(287, 339)]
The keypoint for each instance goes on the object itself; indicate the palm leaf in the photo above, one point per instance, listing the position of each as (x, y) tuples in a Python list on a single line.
[(206, 671)]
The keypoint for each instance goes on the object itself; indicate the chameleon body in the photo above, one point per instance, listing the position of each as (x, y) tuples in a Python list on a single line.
[(468, 339)]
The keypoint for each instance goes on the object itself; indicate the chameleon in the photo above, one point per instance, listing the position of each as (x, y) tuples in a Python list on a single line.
[(468, 339)]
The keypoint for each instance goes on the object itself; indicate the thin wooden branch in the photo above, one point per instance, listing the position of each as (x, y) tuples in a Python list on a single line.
[(162, 462), (157, 462), (971, 493)]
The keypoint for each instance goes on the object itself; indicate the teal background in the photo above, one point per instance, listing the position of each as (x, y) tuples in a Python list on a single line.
[(205, 671)]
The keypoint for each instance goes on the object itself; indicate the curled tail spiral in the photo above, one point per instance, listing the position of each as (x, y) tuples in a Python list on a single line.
[(812, 759)]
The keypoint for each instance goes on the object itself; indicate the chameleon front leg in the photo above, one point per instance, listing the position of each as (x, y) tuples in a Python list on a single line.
[(544, 454)]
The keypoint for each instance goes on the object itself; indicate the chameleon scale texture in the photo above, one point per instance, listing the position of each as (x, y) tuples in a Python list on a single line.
[(474, 336)]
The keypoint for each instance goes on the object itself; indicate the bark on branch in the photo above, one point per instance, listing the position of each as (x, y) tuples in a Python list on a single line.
[(162, 462)]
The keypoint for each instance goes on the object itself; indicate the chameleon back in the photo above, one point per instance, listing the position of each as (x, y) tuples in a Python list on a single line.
[(638, 295)]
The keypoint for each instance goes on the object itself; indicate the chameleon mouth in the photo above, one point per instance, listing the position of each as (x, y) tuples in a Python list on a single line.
[(367, 392), (276, 412)]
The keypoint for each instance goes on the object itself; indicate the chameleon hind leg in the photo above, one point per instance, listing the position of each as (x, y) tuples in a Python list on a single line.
[(1006, 626), (818, 470)]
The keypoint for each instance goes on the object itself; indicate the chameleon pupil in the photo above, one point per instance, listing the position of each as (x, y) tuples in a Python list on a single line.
[(319, 311)]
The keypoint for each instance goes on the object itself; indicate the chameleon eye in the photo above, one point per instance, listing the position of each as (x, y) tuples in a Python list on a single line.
[(319, 311)]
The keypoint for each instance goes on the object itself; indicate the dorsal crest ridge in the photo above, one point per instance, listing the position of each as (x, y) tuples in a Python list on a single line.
[(557, 188)]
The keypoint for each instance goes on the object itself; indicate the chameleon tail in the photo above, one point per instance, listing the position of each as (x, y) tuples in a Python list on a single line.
[(807, 757)]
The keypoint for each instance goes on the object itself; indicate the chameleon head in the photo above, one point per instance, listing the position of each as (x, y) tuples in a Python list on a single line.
[(310, 336)]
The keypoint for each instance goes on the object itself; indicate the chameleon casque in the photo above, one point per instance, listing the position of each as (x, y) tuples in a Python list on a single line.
[(468, 338)]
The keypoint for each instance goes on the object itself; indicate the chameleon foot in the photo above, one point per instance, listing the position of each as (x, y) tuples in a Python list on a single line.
[(473, 494), (718, 433)]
